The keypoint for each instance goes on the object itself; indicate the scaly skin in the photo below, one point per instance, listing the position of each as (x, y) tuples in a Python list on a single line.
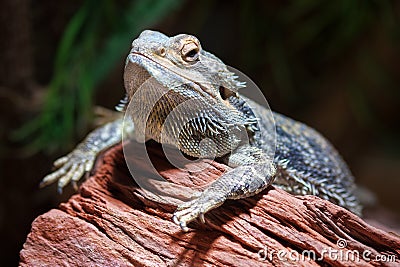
[(200, 96)]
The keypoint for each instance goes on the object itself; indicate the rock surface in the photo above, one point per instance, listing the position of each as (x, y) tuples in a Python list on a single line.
[(110, 223)]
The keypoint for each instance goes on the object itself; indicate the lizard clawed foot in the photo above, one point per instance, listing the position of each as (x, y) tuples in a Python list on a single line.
[(70, 169), (191, 210)]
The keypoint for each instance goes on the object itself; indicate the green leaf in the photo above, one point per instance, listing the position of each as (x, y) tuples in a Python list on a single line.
[(97, 38)]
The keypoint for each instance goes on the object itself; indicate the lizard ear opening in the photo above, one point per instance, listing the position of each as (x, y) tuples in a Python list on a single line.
[(225, 93)]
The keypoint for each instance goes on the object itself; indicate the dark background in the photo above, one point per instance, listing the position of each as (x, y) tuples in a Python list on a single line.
[(334, 65)]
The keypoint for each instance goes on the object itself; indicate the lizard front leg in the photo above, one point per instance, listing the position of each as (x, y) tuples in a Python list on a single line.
[(253, 171), (72, 166)]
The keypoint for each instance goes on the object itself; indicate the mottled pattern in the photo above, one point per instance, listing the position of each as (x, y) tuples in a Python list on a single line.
[(174, 77), (307, 164)]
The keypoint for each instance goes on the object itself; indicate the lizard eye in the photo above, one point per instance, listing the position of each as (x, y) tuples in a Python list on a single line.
[(190, 52)]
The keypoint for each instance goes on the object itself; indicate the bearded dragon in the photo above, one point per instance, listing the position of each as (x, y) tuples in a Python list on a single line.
[(304, 162)]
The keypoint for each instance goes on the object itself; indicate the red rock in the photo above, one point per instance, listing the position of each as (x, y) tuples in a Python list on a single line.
[(110, 223)]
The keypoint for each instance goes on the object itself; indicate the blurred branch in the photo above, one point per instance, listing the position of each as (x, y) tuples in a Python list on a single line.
[(95, 40)]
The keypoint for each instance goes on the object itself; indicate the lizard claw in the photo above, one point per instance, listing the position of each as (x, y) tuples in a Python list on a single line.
[(191, 210), (70, 169), (182, 224), (201, 217)]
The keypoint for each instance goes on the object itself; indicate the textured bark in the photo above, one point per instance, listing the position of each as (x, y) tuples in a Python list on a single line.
[(110, 223)]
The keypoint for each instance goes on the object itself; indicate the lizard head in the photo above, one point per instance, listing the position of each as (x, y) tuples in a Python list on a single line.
[(179, 79), (184, 59)]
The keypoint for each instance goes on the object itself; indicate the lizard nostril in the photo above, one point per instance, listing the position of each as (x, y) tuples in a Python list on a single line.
[(161, 51)]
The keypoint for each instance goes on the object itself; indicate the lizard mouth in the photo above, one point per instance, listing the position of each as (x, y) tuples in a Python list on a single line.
[(141, 71), (136, 73), (142, 67)]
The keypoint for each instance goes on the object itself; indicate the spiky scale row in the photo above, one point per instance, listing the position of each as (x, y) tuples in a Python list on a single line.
[(242, 132)]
